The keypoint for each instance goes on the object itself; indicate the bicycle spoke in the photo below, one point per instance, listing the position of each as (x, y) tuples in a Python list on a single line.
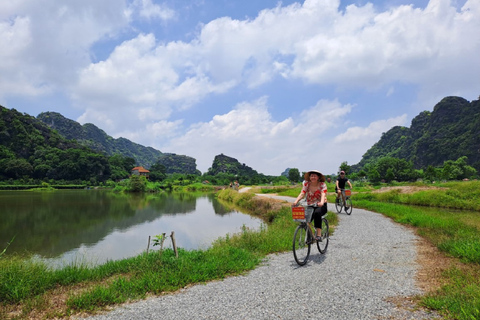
[(349, 206), (301, 245), (322, 245), (339, 205)]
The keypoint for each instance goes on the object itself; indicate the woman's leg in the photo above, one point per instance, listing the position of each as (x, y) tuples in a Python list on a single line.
[(317, 218)]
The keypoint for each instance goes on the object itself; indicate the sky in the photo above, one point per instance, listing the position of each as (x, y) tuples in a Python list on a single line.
[(274, 84)]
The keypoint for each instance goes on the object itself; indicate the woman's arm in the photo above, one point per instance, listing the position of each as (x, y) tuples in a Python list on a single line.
[(300, 197), (322, 200)]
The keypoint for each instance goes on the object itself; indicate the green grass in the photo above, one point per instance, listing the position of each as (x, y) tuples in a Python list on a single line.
[(448, 216), (455, 195), (29, 284), (455, 232)]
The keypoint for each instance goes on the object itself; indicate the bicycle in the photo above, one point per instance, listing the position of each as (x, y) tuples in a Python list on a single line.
[(340, 205), (304, 235)]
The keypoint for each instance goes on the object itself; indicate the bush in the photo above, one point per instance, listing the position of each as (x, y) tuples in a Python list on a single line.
[(136, 184)]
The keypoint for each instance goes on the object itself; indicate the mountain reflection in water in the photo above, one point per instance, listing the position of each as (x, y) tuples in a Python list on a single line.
[(94, 226)]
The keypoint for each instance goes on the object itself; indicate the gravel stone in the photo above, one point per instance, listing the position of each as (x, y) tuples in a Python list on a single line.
[(369, 259)]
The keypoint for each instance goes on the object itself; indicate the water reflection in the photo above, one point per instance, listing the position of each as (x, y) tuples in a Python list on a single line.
[(98, 225)]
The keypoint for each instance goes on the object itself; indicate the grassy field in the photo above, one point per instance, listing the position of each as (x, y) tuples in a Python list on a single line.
[(32, 291), (447, 215)]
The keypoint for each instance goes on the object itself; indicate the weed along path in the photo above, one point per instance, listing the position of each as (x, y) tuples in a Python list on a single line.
[(368, 272)]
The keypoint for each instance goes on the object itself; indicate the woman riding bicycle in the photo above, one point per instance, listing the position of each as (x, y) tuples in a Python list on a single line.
[(315, 189)]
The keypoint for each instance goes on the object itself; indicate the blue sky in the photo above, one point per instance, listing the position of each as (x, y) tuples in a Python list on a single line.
[(305, 84)]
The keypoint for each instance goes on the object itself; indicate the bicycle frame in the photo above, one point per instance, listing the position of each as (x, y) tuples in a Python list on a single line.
[(344, 201), (304, 235)]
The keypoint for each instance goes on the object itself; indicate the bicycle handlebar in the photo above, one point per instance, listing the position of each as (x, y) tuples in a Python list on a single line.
[(306, 205)]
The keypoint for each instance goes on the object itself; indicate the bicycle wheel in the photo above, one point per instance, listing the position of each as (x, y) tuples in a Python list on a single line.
[(322, 245), (348, 206), (301, 244), (339, 205)]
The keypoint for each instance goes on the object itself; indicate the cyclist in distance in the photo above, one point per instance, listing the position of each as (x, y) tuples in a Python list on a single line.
[(340, 185), (315, 189)]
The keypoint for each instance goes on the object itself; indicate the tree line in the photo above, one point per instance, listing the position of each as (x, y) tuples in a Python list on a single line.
[(388, 169)]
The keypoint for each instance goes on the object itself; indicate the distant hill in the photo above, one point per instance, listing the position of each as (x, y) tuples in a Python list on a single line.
[(450, 131), (91, 136), (178, 164), (229, 165), (30, 149)]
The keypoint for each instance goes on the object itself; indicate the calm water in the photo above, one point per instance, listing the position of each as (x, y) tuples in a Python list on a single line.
[(94, 226)]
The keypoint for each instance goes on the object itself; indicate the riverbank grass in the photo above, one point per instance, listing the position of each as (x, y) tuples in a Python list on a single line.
[(456, 233), (434, 211), (30, 290)]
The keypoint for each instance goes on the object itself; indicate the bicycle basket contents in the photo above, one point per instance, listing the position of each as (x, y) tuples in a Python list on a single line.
[(302, 214)]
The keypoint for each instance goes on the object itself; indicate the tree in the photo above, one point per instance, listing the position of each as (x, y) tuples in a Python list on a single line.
[(294, 175), (389, 176), (17, 168), (137, 184), (345, 167), (157, 172), (457, 170), (373, 175)]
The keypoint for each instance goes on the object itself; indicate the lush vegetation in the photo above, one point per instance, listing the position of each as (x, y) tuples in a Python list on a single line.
[(35, 289), (440, 146), (449, 132), (90, 136), (389, 169), (457, 235)]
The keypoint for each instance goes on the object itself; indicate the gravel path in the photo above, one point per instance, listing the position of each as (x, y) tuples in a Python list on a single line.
[(369, 259)]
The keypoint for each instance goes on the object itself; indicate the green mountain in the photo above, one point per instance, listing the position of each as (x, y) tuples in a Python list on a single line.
[(225, 164), (91, 136), (174, 163), (450, 131), (30, 149)]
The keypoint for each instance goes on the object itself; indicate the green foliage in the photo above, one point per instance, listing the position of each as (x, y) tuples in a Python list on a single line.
[(120, 166), (158, 172), (228, 165), (5, 249), (450, 132), (173, 163), (453, 195), (373, 174), (456, 234), (158, 239), (30, 150), (96, 139), (345, 167), (294, 175), (136, 184), (394, 169), (137, 277)]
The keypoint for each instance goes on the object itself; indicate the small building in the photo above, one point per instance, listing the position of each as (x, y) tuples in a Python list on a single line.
[(140, 171)]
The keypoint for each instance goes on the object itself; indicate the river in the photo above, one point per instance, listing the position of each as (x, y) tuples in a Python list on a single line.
[(94, 226)]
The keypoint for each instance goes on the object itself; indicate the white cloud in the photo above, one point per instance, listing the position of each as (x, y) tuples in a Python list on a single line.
[(139, 86), (249, 134), (359, 47), (351, 145), (371, 133), (149, 10), (46, 43)]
